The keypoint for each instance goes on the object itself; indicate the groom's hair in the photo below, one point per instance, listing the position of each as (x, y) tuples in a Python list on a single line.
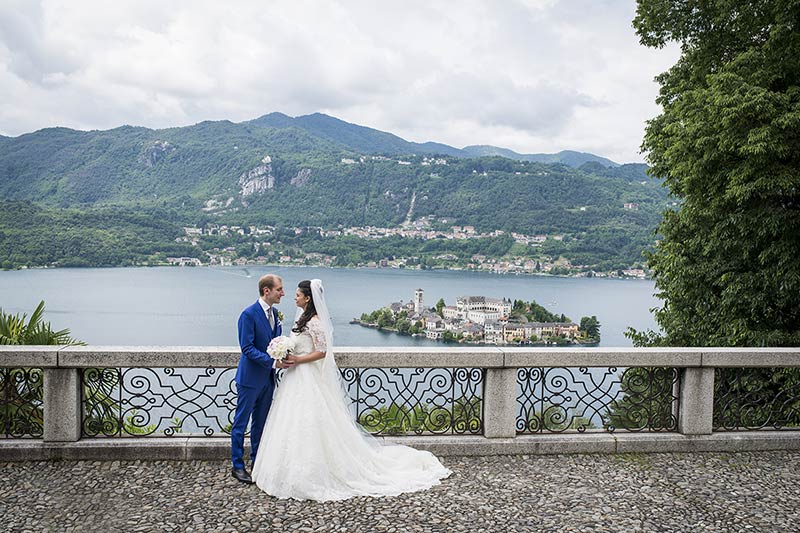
[(269, 281)]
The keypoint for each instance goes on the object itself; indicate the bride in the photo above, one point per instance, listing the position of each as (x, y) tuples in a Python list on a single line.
[(312, 448)]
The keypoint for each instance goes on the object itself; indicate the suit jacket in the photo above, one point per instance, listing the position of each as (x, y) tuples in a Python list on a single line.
[(255, 365)]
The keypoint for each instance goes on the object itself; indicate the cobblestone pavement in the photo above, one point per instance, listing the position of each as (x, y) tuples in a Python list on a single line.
[(633, 492)]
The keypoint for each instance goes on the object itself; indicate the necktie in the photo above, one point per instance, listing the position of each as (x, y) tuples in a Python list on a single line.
[(270, 318)]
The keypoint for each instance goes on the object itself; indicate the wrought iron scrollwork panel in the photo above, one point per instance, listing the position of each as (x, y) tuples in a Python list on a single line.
[(395, 401), (21, 413), (555, 400), (756, 398), (189, 402), (157, 401)]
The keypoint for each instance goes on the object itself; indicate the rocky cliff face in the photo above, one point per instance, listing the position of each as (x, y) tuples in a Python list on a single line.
[(155, 152), (302, 177), (258, 179)]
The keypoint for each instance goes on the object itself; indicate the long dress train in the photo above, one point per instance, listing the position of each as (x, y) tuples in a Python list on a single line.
[(312, 449)]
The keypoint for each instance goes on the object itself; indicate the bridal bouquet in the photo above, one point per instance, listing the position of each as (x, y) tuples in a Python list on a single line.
[(280, 347)]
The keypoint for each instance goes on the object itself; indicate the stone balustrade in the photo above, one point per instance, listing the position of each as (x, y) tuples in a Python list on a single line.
[(691, 407)]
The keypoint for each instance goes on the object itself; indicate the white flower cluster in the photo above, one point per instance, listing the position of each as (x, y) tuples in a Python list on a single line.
[(280, 347)]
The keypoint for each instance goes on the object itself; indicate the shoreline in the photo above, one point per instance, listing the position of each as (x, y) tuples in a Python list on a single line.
[(283, 265)]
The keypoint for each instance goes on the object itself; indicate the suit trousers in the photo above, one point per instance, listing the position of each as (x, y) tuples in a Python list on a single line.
[(252, 405)]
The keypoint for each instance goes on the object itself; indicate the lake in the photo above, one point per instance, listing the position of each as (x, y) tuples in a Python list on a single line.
[(200, 305)]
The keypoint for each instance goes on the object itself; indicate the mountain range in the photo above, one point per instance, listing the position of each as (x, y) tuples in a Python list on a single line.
[(317, 170), (369, 140), (66, 167)]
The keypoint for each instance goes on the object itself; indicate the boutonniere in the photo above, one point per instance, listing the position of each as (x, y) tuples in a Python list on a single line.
[(280, 316)]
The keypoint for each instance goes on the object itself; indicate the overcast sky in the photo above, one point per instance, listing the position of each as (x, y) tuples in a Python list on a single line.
[(531, 75)]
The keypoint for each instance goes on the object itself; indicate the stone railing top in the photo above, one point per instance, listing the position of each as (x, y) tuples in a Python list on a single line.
[(30, 356), (393, 356)]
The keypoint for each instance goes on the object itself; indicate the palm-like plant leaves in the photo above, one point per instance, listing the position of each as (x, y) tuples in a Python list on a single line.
[(15, 330), (21, 390)]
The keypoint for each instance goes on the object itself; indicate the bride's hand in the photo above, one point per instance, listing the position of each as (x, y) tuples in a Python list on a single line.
[(287, 362)]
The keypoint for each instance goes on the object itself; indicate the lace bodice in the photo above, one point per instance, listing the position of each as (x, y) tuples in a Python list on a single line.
[(311, 339)]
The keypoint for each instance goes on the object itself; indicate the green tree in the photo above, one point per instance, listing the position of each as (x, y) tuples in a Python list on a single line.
[(646, 401), (556, 418), (557, 340), (385, 319), (467, 414), (590, 326), (536, 312), (395, 419), (726, 146), (403, 326), (449, 336), (439, 307)]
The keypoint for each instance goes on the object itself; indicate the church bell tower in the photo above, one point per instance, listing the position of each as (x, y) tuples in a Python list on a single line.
[(419, 306)]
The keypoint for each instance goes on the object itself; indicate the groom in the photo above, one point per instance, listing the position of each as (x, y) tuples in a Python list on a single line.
[(255, 377)]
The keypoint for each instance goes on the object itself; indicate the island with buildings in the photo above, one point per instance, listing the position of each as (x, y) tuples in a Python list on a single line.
[(482, 320)]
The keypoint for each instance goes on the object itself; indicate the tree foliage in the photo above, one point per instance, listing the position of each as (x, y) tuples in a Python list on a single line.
[(727, 146), (439, 306), (535, 312), (36, 236), (590, 326)]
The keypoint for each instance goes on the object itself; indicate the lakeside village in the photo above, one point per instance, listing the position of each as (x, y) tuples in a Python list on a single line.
[(266, 252), (482, 320)]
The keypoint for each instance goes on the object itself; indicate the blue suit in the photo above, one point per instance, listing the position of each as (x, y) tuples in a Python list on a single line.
[(255, 380)]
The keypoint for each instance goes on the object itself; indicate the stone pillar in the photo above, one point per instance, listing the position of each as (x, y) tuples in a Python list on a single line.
[(62, 405), (500, 403), (696, 401)]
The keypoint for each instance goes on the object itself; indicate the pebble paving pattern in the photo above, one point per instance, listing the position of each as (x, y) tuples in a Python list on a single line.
[(695, 492)]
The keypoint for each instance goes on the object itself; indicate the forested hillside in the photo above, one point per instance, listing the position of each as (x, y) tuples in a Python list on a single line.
[(312, 171)]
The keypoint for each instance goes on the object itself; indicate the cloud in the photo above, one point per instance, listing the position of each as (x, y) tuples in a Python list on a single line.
[(542, 109), (31, 54), (531, 75)]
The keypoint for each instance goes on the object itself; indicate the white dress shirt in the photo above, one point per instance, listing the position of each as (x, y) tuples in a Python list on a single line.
[(267, 311)]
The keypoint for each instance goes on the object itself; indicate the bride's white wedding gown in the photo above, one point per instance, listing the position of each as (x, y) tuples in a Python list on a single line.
[(311, 448)]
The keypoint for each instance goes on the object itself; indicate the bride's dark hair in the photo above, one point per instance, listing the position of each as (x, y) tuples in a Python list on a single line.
[(310, 311)]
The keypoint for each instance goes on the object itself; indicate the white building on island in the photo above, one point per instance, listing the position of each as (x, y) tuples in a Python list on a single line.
[(478, 309), (434, 329)]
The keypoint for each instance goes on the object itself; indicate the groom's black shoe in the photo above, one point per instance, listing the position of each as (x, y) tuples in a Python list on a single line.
[(241, 474)]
